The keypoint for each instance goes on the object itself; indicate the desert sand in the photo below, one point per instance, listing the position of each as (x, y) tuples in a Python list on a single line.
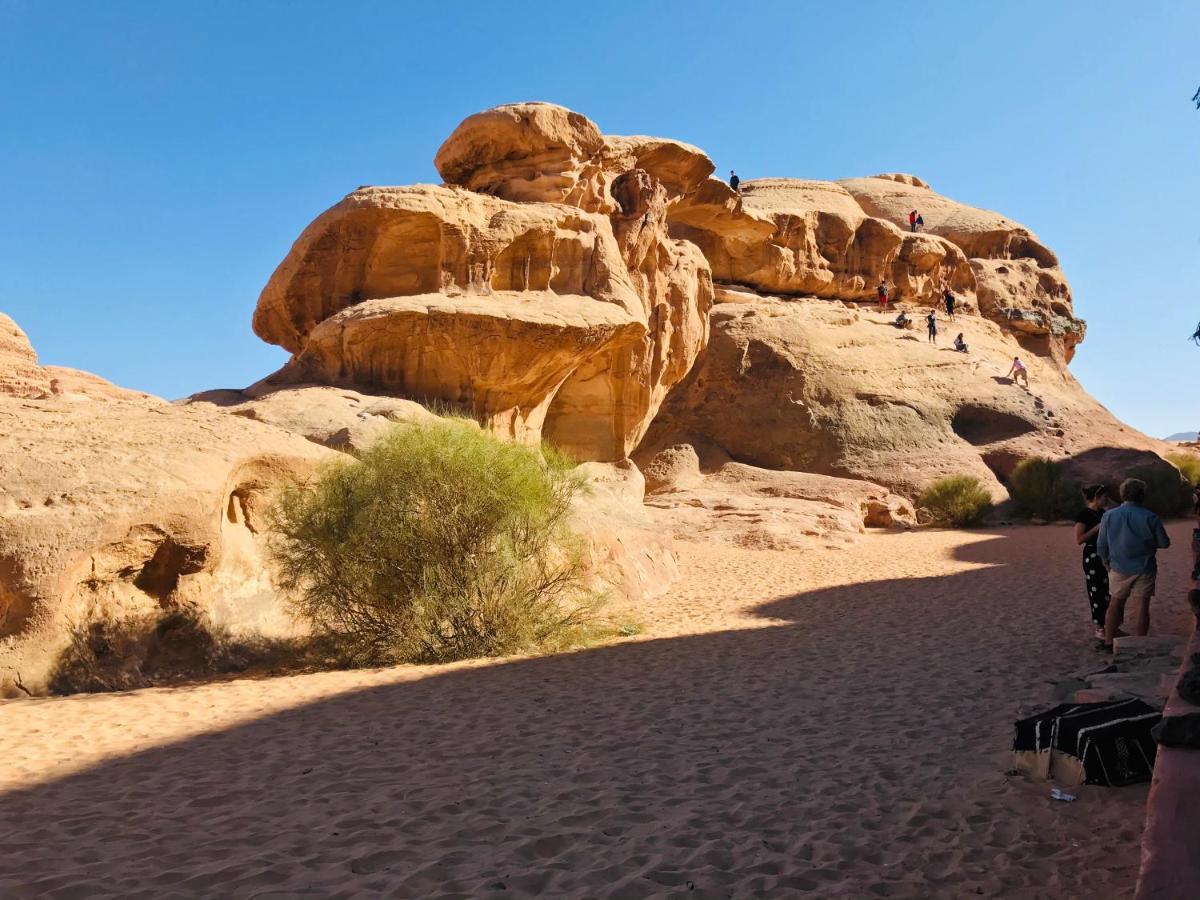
[(833, 721)]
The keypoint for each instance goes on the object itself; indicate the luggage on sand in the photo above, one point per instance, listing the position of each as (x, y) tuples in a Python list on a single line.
[(1094, 743)]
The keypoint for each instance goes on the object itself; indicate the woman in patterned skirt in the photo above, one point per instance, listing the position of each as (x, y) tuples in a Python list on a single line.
[(1087, 526)]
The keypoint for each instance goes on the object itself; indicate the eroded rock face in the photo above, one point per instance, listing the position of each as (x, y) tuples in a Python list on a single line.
[(810, 386), (695, 491), (123, 507), (1018, 280), (333, 417), (795, 237), (540, 152), (568, 319)]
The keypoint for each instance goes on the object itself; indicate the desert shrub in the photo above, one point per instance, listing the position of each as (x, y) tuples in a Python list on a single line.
[(439, 542), (1188, 464), (1036, 485), (1167, 491), (959, 501), (179, 644)]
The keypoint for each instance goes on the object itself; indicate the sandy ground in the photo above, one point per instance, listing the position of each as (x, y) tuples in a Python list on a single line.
[(833, 722)]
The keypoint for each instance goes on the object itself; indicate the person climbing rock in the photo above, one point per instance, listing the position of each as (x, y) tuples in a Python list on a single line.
[(1018, 373), (912, 220), (931, 322), (959, 344), (734, 181), (881, 293), (950, 300)]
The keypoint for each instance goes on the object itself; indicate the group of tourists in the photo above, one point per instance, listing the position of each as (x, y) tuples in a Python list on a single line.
[(1017, 372), (1120, 546)]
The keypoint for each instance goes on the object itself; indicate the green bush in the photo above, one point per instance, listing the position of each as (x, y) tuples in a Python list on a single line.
[(959, 501), (1188, 464), (440, 542), (1167, 491), (1036, 484)]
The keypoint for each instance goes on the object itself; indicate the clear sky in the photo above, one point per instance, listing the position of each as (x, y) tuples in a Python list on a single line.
[(158, 159)]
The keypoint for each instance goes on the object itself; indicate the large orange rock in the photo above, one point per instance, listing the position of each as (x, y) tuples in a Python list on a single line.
[(115, 506), (1018, 282), (568, 319), (813, 386), (811, 238)]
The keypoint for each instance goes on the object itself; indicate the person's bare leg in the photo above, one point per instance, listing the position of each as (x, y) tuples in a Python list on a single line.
[(1141, 615), (1113, 618)]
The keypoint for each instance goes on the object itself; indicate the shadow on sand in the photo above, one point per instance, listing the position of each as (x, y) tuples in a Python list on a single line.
[(756, 762)]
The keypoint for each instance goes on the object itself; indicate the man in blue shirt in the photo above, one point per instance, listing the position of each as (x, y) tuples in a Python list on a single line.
[(1129, 540)]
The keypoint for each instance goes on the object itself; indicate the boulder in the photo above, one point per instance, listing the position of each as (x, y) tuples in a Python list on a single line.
[(540, 152), (696, 492), (337, 418), (811, 238), (123, 507), (810, 386), (542, 319)]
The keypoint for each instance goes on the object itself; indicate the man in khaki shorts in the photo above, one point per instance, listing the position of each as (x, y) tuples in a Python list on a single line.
[(1129, 540)]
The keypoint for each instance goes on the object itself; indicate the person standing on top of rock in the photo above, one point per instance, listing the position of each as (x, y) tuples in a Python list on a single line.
[(912, 220), (1018, 373), (931, 321), (949, 299), (920, 223), (1095, 574), (882, 293), (734, 181), (1129, 539)]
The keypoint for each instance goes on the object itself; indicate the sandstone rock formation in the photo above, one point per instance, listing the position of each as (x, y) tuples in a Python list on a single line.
[(22, 376), (116, 506), (333, 417), (696, 492), (811, 238), (124, 507), (548, 299), (560, 285), (814, 386), (1018, 281)]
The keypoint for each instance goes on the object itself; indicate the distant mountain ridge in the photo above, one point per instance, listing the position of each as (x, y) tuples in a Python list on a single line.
[(1182, 436)]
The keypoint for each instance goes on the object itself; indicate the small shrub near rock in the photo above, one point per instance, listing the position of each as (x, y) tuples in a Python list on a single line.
[(960, 501), (440, 542), (1188, 465), (1168, 493), (1041, 489)]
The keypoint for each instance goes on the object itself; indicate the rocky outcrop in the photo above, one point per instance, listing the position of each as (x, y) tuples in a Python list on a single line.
[(114, 508), (21, 376), (547, 299), (1018, 282), (332, 417), (559, 285), (696, 492), (814, 386), (793, 237), (539, 152)]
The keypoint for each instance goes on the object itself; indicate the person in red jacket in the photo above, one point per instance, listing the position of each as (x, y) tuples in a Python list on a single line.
[(912, 220)]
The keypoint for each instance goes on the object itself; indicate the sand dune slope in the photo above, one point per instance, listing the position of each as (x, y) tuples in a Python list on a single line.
[(832, 722)]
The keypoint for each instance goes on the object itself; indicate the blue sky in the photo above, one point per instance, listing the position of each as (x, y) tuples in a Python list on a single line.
[(160, 158)]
